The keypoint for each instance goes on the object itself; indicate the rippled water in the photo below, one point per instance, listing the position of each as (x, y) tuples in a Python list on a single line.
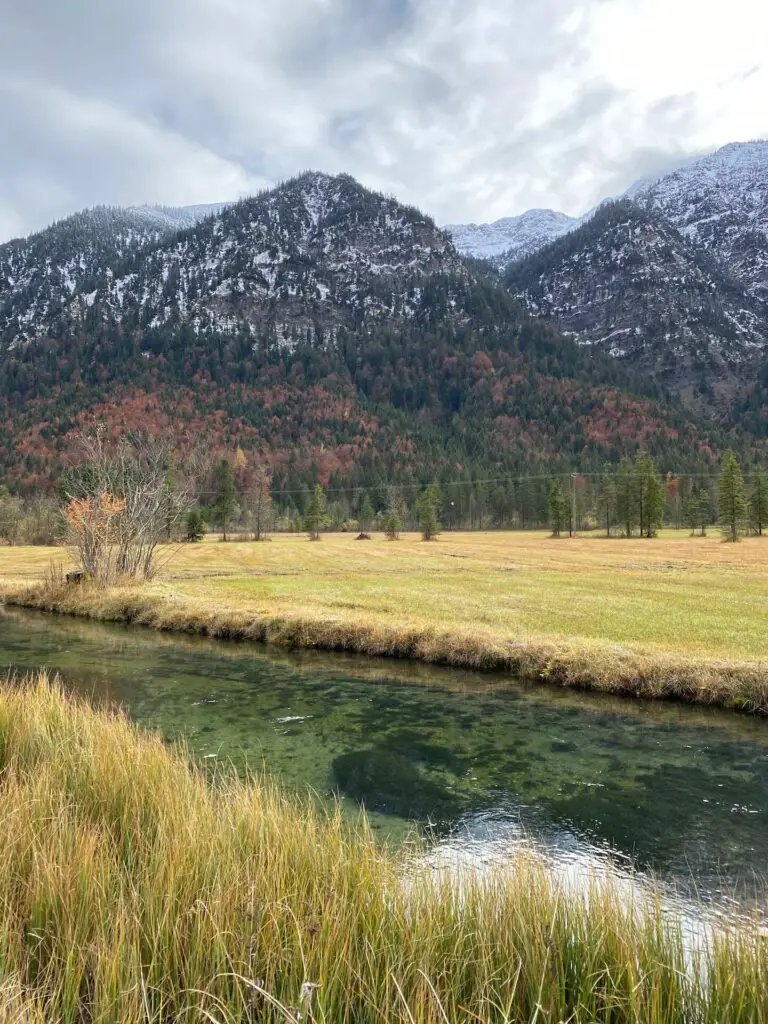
[(483, 763)]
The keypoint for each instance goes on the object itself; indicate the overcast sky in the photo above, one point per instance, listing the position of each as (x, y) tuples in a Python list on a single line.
[(471, 109)]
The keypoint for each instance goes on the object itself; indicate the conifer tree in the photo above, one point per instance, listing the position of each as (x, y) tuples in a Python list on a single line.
[(195, 527), (314, 517), (558, 508), (758, 501), (703, 505), (225, 499), (626, 496), (393, 523), (606, 503), (732, 504), (427, 508), (649, 492), (691, 514)]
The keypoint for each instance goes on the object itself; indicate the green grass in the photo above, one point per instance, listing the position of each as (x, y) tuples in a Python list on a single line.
[(134, 890), (675, 616)]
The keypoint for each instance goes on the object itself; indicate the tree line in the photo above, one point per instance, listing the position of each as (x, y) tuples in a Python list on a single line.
[(159, 499), (637, 501)]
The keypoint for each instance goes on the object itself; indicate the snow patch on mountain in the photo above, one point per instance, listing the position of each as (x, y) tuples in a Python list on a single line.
[(175, 218), (511, 238), (720, 202)]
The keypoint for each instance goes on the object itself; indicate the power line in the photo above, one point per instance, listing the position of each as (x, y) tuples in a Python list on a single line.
[(532, 478)]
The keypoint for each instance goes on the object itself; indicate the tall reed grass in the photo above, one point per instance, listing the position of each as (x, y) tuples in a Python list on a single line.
[(133, 888)]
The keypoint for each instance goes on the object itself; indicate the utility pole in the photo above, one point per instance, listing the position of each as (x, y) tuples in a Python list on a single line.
[(573, 505)]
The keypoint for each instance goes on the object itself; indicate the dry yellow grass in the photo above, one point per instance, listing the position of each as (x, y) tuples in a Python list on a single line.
[(675, 616), (135, 893)]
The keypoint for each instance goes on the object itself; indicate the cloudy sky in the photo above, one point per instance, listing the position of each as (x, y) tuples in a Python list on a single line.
[(471, 109)]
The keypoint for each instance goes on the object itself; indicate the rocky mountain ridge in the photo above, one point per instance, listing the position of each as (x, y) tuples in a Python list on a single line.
[(628, 283), (41, 274), (313, 254), (718, 201)]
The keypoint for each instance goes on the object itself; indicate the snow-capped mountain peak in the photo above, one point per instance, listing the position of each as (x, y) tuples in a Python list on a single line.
[(314, 254), (720, 202), (511, 238)]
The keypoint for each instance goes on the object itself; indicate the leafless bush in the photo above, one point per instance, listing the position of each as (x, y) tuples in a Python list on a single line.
[(122, 503)]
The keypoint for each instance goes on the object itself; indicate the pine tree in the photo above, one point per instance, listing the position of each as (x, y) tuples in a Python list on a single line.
[(626, 496), (195, 526), (606, 503), (427, 508), (691, 514), (558, 508), (225, 500), (314, 517), (732, 504), (758, 501), (649, 494)]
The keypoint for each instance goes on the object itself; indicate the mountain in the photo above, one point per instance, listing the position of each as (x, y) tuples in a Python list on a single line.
[(318, 252), (511, 238), (628, 283), (720, 203), (330, 329), (40, 274)]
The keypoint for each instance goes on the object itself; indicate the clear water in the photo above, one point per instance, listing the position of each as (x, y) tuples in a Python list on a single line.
[(482, 762)]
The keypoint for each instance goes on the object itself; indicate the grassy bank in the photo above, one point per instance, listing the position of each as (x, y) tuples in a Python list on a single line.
[(133, 891), (676, 617)]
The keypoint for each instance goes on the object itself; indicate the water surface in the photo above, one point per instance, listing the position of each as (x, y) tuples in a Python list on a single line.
[(480, 761)]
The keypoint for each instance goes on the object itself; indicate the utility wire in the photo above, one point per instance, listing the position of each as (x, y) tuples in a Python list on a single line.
[(460, 483)]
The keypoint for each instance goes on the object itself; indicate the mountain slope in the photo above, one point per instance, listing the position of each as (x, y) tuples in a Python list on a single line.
[(316, 253), (511, 238), (628, 283), (332, 330), (40, 274), (720, 203), (175, 218)]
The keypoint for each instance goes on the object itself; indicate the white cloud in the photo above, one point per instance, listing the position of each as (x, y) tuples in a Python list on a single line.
[(471, 111)]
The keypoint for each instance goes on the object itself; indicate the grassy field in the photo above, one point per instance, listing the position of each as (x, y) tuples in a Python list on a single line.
[(676, 615), (133, 891)]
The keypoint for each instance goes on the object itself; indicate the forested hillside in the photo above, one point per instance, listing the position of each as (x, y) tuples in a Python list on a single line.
[(329, 330)]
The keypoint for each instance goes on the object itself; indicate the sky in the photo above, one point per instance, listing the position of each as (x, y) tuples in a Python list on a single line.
[(470, 109)]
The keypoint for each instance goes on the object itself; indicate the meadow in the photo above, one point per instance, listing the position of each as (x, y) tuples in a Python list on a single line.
[(675, 616), (136, 889)]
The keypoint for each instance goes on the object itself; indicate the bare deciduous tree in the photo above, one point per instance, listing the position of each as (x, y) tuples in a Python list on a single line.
[(122, 502), (260, 502)]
